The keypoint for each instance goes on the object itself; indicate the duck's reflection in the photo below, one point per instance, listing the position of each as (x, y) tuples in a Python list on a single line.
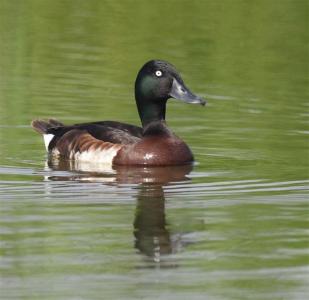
[(152, 236)]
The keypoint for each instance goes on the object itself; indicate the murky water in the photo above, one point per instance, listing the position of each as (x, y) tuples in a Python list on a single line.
[(233, 226)]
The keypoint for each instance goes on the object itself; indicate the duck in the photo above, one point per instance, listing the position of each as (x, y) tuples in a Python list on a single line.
[(117, 143)]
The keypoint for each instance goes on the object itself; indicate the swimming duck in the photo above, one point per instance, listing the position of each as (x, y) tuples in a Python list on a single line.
[(153, 144)]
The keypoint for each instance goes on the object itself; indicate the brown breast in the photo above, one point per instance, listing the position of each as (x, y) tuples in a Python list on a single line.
[(155, 151)]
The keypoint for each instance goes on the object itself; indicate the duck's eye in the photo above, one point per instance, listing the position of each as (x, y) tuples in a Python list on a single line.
[(158, 73)]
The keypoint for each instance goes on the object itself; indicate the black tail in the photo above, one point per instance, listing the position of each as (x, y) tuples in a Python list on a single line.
[(43, 127)]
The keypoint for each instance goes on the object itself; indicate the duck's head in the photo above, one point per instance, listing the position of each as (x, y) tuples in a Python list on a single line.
[(156, 82)]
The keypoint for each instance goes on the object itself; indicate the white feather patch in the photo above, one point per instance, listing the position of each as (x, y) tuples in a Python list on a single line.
[(104, 156), (47, 139)]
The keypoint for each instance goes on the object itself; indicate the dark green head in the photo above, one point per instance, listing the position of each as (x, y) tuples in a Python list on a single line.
[(156, 82)]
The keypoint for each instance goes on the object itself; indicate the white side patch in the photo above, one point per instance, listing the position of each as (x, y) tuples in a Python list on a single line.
[(47, 139), (104, 156)]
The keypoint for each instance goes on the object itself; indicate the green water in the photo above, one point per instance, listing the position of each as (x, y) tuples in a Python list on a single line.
[(234, 226)]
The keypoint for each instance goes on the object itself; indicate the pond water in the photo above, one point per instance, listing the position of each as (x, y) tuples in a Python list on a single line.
[(233, 226)]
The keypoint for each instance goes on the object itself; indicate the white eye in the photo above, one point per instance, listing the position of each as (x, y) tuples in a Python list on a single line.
[(158, 73)]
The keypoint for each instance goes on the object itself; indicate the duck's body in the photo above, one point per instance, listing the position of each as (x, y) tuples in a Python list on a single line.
[(117, 143)]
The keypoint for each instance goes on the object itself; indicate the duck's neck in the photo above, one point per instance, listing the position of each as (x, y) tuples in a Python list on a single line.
[(156, 128), (150, 110)]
